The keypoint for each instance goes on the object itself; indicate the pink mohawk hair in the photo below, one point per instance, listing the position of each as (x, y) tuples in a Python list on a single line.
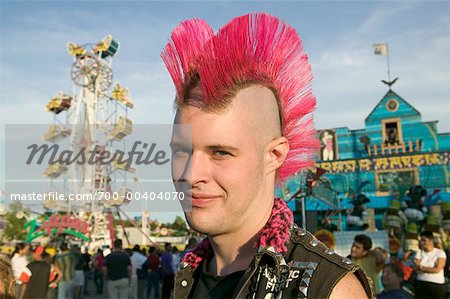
[(183, 51), (256, 48)]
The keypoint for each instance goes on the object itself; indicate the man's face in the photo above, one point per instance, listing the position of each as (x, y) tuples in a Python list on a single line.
[(389, 278), (227, 175), (36, 256), (426, 243), (358, 250), (26, 249)]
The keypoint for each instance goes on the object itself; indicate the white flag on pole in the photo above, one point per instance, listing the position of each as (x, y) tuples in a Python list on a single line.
[(381, 49)]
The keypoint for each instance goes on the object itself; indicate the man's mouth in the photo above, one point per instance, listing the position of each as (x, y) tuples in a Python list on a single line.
[(202, 199)]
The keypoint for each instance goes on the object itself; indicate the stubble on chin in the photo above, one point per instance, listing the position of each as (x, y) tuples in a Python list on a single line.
[(210, 227)]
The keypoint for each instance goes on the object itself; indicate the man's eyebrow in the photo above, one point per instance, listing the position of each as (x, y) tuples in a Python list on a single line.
[(222, 147), (214, 147)]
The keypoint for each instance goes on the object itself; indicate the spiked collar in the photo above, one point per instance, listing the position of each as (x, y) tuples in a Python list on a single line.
[(273, 237)]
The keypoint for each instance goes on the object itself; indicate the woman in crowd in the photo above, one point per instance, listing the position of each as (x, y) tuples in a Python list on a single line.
[(19, 263), (429, 264), (98, 271), (55, 276), (78, 280)]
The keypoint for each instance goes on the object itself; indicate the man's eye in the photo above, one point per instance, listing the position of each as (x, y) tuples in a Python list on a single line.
[(222, 153)]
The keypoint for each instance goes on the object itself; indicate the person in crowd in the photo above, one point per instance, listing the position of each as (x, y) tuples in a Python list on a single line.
[(246, 95), (128, 251), (19, 262), (98, 271), (137, 261), (38, 282), (78, 279), (55, 275), (167, 272), (142, 275), (86, 270), (176, 259), (371, 261), (429, 264), (65, 261), (117, 266), (7, 284), (392, 278), (153, 274)]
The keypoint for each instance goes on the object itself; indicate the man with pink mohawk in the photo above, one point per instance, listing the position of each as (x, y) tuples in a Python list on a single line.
[(245, 92)]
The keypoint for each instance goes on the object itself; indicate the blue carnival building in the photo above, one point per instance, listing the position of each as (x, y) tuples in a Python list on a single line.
[(395, 151)]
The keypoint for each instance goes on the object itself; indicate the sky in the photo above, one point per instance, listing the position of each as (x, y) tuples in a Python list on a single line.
[(337, 35)]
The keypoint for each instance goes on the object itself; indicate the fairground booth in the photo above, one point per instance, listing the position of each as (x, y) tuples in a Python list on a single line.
[(379, 167)]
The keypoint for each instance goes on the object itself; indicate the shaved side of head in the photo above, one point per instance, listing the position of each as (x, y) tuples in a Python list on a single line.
[(259, 105)]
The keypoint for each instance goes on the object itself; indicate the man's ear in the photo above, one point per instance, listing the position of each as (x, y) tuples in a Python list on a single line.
[(277, 152)]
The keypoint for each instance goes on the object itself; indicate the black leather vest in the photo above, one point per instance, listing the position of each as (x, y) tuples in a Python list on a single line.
[(308, 270)]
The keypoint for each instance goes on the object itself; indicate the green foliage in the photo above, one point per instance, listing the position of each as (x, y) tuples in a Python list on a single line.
[(14, 226), (153, 225), (179, 234), (179, 224)]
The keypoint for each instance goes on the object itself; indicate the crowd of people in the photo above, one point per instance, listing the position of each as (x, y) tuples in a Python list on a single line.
[(31, 272), (124, 273), (418, 227), (419, 274)]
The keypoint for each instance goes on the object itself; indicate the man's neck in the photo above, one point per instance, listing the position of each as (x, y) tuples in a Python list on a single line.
[(235, 251), (230, 258)]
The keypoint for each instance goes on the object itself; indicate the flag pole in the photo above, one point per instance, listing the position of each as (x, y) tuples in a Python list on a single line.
[(388, 66)]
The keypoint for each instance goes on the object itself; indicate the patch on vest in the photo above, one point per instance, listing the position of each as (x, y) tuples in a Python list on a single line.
[(295, 281)]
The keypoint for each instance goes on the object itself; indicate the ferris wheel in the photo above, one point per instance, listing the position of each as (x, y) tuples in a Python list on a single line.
[(91, 119)]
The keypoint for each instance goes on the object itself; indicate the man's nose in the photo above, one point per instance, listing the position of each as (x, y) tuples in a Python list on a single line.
[(198, 169)]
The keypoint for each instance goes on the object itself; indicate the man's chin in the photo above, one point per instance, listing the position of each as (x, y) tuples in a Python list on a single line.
[(201, 225)]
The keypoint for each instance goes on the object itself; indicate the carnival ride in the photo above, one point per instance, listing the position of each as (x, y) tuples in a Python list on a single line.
[(94, 118)]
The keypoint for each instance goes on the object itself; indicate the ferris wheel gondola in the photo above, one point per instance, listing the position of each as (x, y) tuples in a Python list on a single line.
[(107, 47)]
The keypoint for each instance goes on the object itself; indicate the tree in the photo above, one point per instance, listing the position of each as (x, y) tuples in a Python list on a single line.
[(153, 225), (14, 229), (179, 224)]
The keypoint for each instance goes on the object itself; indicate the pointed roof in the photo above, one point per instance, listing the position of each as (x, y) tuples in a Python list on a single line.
[(381, 111)]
